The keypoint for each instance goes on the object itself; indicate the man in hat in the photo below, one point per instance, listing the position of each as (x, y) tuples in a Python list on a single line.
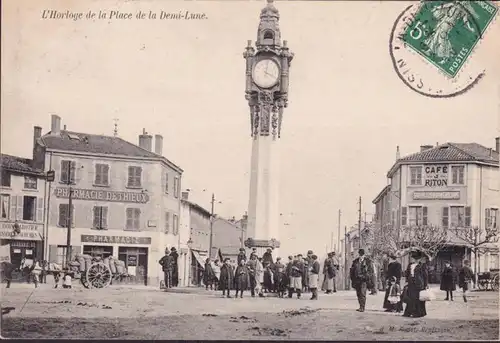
[(166, 263), (296, 277), (241, 256), (267, 258), (336, 266), (361, 277), (175, 267), (308, 261), (252, 266), (329, 274)]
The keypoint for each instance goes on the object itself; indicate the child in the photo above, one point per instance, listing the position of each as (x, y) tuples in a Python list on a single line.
[(394, 299), (67, 281), (226, 277), (465, 276), (241, 278)]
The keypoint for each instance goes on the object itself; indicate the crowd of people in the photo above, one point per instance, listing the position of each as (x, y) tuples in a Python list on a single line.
[(415, 293)]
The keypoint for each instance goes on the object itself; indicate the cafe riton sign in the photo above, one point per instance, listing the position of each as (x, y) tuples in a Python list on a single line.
[(436, 175), (102, 195)]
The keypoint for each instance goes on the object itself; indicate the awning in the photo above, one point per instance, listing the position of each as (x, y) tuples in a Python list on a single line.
[(199, 258)]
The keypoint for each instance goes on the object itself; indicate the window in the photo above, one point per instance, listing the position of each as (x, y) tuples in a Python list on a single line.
[(29, 208), (68, 169), (100, 217), (5, 178), (61, 255), (404, 216), (494, 261), (166, 183), (491, 218), (101, 174), (4, 206), (457, 175), (30, 182), (176, 187), (418, 216), (415, 175), (459, 216), (133, 219), (175, 229), (268, 35), (167, 222), (134, 177), (64, 215)]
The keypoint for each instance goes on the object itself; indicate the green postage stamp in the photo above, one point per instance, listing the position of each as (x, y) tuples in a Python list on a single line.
[(446, 32)]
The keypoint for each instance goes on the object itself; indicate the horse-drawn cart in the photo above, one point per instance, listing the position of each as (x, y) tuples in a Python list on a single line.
[(488, 280)]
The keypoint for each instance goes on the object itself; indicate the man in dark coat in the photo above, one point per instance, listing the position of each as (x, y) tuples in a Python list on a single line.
[(208, 274), (448, 280), (167, 265), (361, 277), (296, 278), (241, 256), (251, 266), (279, 277), (314, 277), (336, 266), (226, 278), (175, 267), (465, 276), (268, 257)]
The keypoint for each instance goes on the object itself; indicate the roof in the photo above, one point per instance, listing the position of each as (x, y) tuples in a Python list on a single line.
[(451, 152), (97, 144), (19, 164), (196, 207), (383, 192)]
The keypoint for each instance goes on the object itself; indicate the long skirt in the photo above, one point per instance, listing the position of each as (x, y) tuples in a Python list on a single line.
[(398, 307), (296, 282), (313, 280), (328, 283), (414, 307)]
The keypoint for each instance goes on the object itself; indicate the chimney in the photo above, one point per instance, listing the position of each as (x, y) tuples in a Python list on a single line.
[(55, 126), (37, 133), (37, 158), (159, 144), (145, 140), (398, 155), (425, 147), (185, 195), (64, 127), (497, 144)]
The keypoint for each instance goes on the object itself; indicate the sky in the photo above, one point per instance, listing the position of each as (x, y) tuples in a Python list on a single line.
[(185, 80)]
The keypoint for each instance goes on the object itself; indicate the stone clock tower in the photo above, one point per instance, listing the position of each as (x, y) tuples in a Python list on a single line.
[(267, 67)]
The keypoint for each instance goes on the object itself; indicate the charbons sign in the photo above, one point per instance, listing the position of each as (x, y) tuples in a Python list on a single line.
[(102, 195)]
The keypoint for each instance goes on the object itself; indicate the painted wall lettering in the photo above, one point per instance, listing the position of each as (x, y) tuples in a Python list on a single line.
[(102, 195)]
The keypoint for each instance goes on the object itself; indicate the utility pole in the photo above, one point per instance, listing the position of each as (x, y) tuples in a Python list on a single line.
[(338, 236), (69, 220), (211, 225), (346, 281), (331, 241), (359, 223)]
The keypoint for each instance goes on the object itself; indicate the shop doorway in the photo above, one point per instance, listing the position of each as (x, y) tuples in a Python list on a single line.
[(98, 251), (20, 250), (136, 262)]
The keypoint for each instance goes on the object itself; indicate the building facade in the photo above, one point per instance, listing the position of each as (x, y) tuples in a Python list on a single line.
[(452, 186), (125, 199), (22, 208)]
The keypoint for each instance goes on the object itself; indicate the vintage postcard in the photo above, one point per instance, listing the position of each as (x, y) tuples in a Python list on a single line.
[(250, 169)]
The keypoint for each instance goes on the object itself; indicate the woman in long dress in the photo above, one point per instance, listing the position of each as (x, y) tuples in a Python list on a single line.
[(208, 275), (393, 277), (417, 278)]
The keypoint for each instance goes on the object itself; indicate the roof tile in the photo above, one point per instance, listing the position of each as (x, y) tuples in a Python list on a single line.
[(18, 164)]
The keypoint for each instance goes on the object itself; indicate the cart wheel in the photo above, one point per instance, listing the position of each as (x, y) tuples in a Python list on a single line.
[(98, 275), (494, 283)]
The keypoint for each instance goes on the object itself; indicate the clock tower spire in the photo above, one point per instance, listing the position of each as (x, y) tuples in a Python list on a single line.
[(267, 68)]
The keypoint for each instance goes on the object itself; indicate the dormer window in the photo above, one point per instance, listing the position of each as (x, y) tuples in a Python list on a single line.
[(268, 35)]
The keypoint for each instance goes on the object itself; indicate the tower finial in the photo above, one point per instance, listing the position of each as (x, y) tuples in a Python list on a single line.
[(270, 1), (115, 131)]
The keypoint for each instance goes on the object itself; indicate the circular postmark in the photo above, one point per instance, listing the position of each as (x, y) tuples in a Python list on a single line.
[(431, 44)]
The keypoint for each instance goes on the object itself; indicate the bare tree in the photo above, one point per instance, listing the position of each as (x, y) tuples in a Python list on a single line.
[(477, 239)]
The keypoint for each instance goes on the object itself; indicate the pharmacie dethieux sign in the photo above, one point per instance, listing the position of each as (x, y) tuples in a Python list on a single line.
[(436, 175), (102, 195)]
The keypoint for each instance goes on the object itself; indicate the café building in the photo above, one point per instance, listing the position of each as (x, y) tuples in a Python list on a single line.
[(21, 209), (124, 199)]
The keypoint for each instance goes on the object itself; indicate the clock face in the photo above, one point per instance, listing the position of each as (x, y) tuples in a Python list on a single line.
[(266, 73)]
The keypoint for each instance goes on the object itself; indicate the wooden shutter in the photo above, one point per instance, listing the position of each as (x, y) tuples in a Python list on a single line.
[(130, 176), (97, 217), (467, 221), (424, 216), (98, 175), (404, 215), (167, 222), (63, 214), (105, 175), (445, 215), (487, 221), (64, 171), (13, 208), (19, 207), (138, 175), (130, 220), (73, 172), (39, 210), (176, 225), (166, 182), (137, 218), (104, 214)]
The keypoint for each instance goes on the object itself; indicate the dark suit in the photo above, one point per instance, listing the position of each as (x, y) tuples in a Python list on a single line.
[(361, 274)]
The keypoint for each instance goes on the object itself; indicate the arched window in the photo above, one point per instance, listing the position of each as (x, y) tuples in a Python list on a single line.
[(268, 35)]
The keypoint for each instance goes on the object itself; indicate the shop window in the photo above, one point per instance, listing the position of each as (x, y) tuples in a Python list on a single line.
[(64, 215), (101, 174), (134, 177), (133, 219), (29, 208), (6, 178), (61, 255), (176, 187), (167, 222), (30, 182), (100, 217), (97, 251), (4, 206), (415, 176), (175, 229), (457, 175), (68, 169)]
